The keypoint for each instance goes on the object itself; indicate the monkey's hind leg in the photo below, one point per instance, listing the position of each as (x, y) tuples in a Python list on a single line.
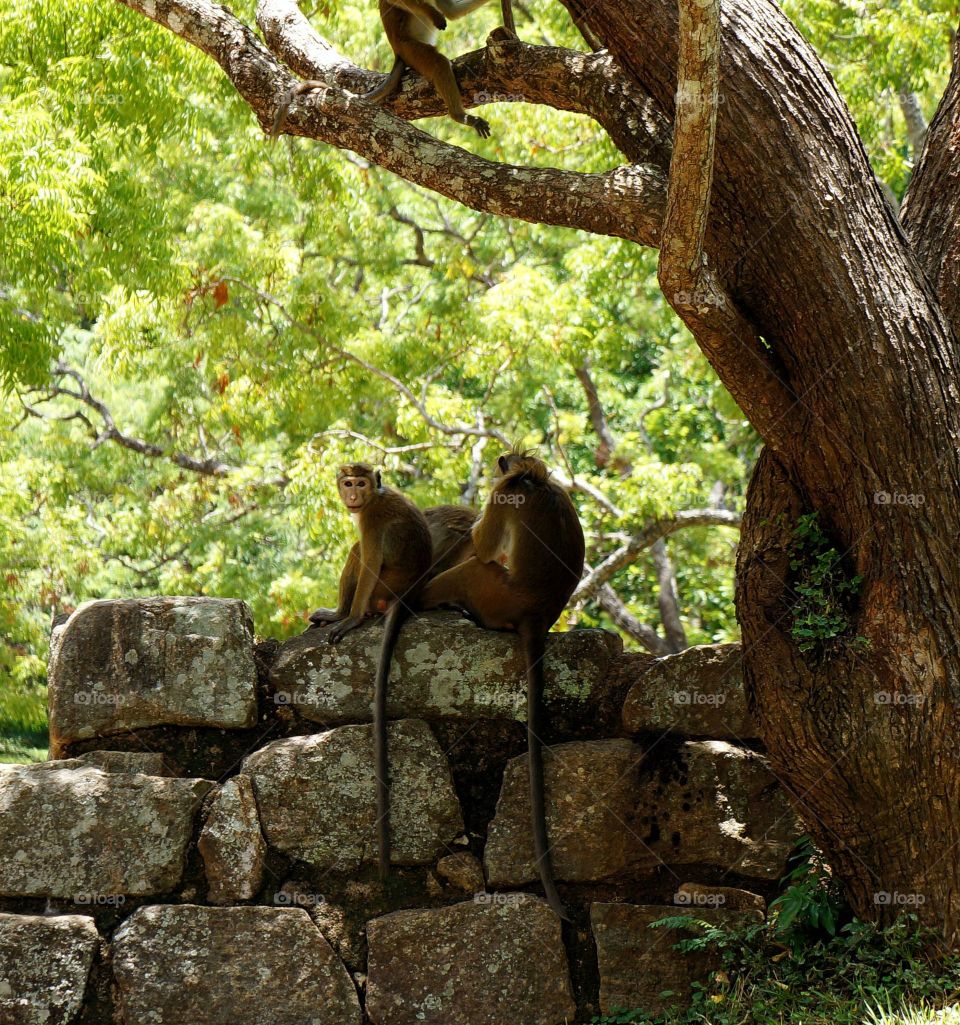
[(434, 66), (348, 584), (481, 589)]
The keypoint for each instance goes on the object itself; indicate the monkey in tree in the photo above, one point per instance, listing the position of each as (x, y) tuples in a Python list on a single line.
[(385, 572), (411, 27), (528, 558)]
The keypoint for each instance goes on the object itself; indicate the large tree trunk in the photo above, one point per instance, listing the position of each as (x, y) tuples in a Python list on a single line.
[(862, 729), (826, 330)]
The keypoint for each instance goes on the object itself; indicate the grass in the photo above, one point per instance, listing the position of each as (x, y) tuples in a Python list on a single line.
[(13, 750), (862, 975), (922, 1014), (23, 722)]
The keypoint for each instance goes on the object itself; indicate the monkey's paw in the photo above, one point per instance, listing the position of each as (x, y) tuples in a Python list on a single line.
[(439, 20), (339, 630), (482, 127)]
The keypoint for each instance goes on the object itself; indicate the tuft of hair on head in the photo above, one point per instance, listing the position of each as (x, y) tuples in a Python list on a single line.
[(359, 470), (522, 464), (355, 470)]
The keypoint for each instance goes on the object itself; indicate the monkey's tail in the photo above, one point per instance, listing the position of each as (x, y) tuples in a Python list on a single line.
[(391, 631), (393, 80), (288, 97), (533, 637)]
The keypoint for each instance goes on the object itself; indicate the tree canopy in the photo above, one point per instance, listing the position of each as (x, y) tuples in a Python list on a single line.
[(197, 327)]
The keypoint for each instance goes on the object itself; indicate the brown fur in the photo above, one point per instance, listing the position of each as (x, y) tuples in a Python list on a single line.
[(450, 527), (411, 27), (528, 558), (385, 572)]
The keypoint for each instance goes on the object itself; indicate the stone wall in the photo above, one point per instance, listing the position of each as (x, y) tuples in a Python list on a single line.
[(202, 849)]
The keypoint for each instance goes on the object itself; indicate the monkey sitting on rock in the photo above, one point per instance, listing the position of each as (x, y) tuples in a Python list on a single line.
[(385, 572), (528, 552), (513, 568)]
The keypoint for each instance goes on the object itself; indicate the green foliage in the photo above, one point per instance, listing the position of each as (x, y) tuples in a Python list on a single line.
[(824, 592), (254, 305), (880, 52), (887, 976), (811, 963), (812, 905)]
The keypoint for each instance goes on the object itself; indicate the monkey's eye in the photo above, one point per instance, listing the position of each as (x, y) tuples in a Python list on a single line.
[(361, 483)]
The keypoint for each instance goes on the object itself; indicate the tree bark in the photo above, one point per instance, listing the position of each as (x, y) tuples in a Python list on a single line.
[(931, 207), (823, 318)]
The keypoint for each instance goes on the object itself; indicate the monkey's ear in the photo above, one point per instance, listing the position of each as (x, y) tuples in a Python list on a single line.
[(376, 477), (504, 464)]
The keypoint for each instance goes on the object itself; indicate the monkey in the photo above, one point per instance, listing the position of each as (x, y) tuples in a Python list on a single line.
[(411, 27), (384, 572), (450, 527), (528, 558), (451, 543), (391, 558)]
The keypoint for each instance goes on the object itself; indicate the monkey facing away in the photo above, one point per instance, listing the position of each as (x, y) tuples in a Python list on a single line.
[(528, 559), (385, 572), (411, 27)]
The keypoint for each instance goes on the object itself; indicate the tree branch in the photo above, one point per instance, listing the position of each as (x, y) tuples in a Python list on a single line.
[(644, 635), (915, 121), (208, 467), (930, 213), (625, 202), (598, 417), (592, 84), (648, 536), (668, 597)]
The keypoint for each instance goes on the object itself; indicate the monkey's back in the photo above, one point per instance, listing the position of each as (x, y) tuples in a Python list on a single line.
[(548, 547), (450, 531)]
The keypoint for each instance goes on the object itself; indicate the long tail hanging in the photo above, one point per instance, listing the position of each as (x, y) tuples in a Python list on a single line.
[(533, 644)]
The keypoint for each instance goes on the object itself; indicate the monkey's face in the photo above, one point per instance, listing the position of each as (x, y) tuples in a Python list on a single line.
[(357, 486)]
